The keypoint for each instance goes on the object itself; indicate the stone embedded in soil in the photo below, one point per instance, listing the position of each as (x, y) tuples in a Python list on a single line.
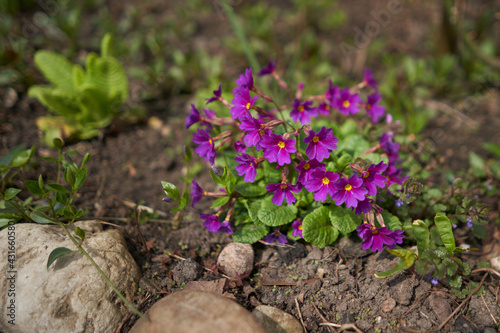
[(70, 296), (276, 320), (197, 312), (292, 252), (440, 307), (186, 271), (405, 289), (388, 305), (237, 259)]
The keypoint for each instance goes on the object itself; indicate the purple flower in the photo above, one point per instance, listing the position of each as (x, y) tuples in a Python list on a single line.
[(435, 281), (226, 227), (269, 68), (332, 94), (320, 144), (302, 111), (469, 222), (392, 173), (297, 229), (398, 203), (206, 148), (275, 236), (369, 80), (372, 177), (389, 147), (323, 109), (321, 183), (363, 206), (217, 95), (240, 147), (211, 222), (242, 103), (347, 103), (246, 167), (373, 108), (282, 190), (349, 191), (253, 129), (277, 149), (376, 238), (209, 114), (196, 193), (305, 168), (244, 81), (193, 118)]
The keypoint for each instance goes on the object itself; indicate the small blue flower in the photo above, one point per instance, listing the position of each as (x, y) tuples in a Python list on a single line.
[(399, 203), (469, 222)]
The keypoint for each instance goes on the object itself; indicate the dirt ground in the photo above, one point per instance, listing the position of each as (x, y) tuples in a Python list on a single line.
[(334, 284)]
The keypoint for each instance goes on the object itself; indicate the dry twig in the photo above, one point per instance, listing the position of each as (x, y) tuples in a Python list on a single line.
[(300, 315)]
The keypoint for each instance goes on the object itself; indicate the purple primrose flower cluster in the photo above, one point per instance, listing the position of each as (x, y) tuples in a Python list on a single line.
[(274, 136)]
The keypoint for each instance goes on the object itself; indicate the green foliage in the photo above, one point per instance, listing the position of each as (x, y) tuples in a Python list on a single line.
[(318, 229), (82, 101), (57, 253)]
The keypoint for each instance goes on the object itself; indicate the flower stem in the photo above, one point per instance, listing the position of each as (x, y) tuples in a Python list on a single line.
[(108, 281)]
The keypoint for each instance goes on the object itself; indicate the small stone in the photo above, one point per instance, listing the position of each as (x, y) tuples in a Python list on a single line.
[(10, 98), (237, 259), (197, 312), (440, 307), (388, 305), (185, 271), (276, 321), (404, 291)]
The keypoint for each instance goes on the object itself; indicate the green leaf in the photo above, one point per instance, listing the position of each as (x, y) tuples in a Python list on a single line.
[(23, 157), (7, 159), (439, 208), (250, 233), (11, 193), (80, 233), (57, 253), (57, 143), (343, 219), (444, 227), (57, 101), (41, 218), (250, 190), (107, 42), (56, 69), (479, 231), (187, 154), (273, 215), (216, 178), (85, 159), (421, 232), (58, 188), (220, 202), (5, 222), (171, 190), (400, 266), (34, 187), (317, 228), (391, 221), (78, 76), (80, 177), (493, 148), (108, 75), (69, 176), (253, 209), (230, 183), (477, 164)]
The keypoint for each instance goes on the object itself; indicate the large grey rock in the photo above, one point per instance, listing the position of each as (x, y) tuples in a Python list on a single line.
[(70, 296), (277, 321), (237, 259), (197, 312)]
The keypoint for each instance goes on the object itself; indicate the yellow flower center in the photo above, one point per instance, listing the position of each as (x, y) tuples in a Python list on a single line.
[(327, 107), (307, 166), (261, 132), (281, 144), (316, 139), (283, 186), (368, 106), (301, 108), (248, 106), (210, 141), (366, 175), (250, 164), (300, 227), (346, 104), (326, 181), (348, 187)]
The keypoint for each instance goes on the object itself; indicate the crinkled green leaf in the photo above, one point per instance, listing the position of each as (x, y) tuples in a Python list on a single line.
[(444, 227), (343, 219), (107, 73), (250, 233), (57, 101), (253, 209), (391, 221), (250, 190), (421, 232), (273, 215), (56, 69), (317, 228), (57, 253)]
